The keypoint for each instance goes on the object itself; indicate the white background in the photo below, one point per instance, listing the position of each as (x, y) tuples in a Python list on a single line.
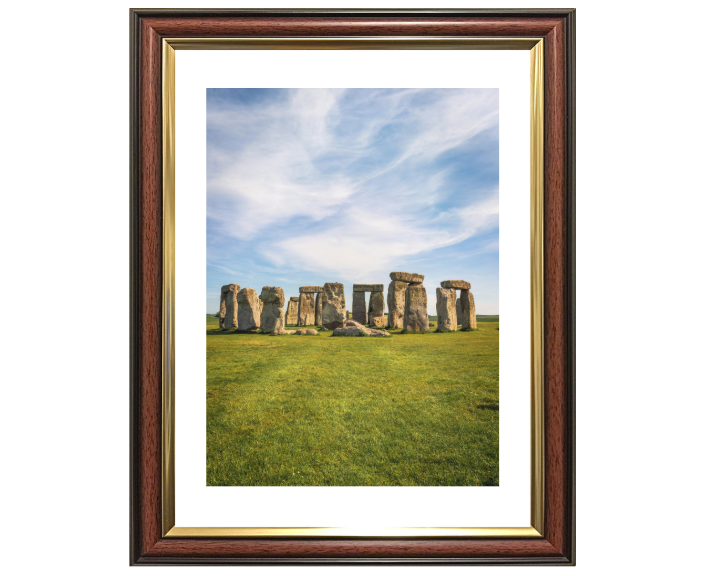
[(506, 505), (648, 316)]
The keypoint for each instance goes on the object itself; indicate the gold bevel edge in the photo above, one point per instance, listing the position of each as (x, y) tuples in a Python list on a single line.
[(537, 434), (168, 304), (535, 46), (383, 532), (360, 43)]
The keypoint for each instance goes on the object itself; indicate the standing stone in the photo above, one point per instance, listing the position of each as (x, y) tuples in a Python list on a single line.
[(223, 309), (377, 306), (273, 317), (467, 303), (416, 318), (396, 303), (306, 311), (358, 307), (291, 316), (231, 307), (248, 310), (318, 309), (458, 312), (333, 307), (446, 309)]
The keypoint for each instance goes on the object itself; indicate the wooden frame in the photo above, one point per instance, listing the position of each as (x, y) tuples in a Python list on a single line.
[(148, 30)]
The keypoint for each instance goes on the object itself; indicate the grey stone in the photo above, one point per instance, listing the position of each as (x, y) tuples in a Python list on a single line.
[(306, 309), (223, 309), (396, 303), (378, 321), (310, 289), (349, 331), (458, 312), (273, 295), (318, 309), (407, 277), (376, 307), (291, 316), (467, 302), (374, 332), (456, 284), (358, 307), (289, 332), (368, 287), (446, 309), (416, 318), (306, 332), (231, 307), (248, 310), (333, 311), (294, 298), (352, 323), (273, 317)]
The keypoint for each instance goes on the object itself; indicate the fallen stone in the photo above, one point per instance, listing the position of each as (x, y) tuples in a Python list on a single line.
[(349, 331), (291, 315), (231, 307), (432, 324), (456, 284), (379, 321), (248, 310), (396, 303), (358, 307), (306, 309), (368, 287), (289, 332), (310, 289), (407, 277), (272, 318), (306, 331), (373, 332), (318, 309), (333, 311), (467, 302), (446, 309), (415, 319), (376, 307), (351, 322)]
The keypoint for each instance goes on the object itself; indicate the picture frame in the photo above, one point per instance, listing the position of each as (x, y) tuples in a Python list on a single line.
[(549, 37)]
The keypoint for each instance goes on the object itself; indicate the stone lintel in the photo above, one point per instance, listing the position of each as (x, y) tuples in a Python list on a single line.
[(310, 289), (368, 287), (407, 277), (456, 284)]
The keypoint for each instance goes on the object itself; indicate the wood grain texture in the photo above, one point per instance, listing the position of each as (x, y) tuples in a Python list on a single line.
[(148, 27)]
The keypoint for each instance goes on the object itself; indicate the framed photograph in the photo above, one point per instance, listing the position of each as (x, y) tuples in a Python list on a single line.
[(330, 211)]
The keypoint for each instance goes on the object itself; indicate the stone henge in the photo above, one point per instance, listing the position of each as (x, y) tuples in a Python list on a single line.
[(273, 317), (306, 315), (230, 322), (291, 316), (249, 308), (376, 306), (244, 311), (333, 306), (465, 305)]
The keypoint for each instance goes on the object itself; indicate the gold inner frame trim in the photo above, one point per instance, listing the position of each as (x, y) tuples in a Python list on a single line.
[(537, 431)]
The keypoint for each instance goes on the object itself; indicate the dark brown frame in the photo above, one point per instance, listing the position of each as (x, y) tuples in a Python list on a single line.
[(147, 29)]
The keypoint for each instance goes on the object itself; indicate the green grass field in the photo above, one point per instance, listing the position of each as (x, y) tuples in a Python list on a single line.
[(411, 410)]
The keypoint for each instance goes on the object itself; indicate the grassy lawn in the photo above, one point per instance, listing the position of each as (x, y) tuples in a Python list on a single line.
[(411, 410)]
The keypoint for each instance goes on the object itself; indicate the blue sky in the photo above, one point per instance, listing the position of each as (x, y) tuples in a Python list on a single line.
[(307, 186)]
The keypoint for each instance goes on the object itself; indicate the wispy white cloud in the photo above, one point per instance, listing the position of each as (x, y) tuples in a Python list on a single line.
[(349, 183)]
